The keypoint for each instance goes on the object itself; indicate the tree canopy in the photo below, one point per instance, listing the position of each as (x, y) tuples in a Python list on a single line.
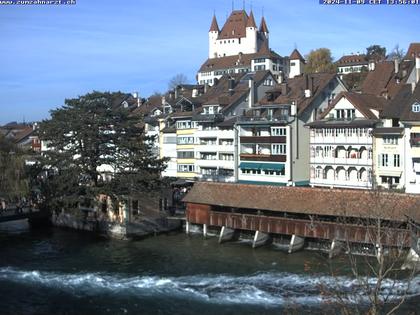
[(14, 180), (319, 60), (375, 52), (96, 146)]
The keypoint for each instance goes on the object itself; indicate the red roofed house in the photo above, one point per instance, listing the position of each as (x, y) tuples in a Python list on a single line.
[(341, 142)]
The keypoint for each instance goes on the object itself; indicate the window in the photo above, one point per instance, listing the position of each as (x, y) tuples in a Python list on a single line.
[(383, 160), (208, 156), (396, 160), (390, 140), (184, 124), (169, 139), (185, 140), (260, 67), (209, 171), (259, 60), (278, 131), (277, 149), (226, 142), (226, 157), (185, 168), (185, 154), (292, 64), (415, 108), (340, 114), (268, 82)]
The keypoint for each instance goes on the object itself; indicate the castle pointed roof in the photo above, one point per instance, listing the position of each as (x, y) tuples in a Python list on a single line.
[(296, 55), (235, 25), (214, 26), (263, 26), (251, 21)]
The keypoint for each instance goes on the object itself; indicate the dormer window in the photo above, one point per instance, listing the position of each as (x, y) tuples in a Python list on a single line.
[(415, 108)]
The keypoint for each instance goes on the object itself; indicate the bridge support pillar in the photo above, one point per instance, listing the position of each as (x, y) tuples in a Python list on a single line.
[(205, 230), (335, 249), (412, 261), (296, 243), (260, 239), (226, 234)]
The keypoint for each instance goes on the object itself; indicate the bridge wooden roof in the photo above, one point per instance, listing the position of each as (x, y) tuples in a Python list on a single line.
[(303, 200)]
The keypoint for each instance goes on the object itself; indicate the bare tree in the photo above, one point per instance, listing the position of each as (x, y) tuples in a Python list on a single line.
[(379, 285), (176, 80), (396, 53)]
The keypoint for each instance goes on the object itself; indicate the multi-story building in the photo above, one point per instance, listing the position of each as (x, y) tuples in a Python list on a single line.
[(341, 142), (185, 144), (352, 64), (273, 142), (410, 118), (239, 47), (215, 150)]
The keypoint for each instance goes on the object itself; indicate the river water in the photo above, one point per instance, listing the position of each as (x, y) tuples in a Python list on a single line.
[(56, 271)]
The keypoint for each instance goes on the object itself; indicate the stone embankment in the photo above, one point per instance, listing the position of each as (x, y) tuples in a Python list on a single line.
[(141, 226)]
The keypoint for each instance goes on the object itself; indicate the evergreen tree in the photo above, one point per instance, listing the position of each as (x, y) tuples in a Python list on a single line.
[(96, 146), (375, 52)]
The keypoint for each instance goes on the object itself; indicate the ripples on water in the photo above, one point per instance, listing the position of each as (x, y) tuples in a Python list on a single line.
[(63, 272)]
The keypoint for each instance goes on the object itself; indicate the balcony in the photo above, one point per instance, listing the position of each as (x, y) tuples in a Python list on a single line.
[(263, 120), (341, 161), (342, 140), (263, 157), (208, 118), (263, 139)]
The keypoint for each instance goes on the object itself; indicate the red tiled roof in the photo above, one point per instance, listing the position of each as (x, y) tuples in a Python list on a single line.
[(235, 61), (296, 90), (296, 55), (251, 21), (380, 79), (407, 112), (413, 51), (263, 26), (351, 60), (337, 202), (235, 25), (363, 102), (214, 27)]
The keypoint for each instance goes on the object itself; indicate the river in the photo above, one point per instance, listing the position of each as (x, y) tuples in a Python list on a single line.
[(55, 271)]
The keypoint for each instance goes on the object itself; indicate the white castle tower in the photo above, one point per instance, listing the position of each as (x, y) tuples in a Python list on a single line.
[(239, 34)]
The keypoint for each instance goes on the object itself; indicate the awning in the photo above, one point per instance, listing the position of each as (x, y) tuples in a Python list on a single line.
[(261, 166), (272, 166), (249, 166)]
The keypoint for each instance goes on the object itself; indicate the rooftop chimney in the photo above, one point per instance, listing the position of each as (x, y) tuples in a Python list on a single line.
[(284, 88), (308, 91), (251, 98), (231, 85), (137, 97), (396, 65), (372, 65)]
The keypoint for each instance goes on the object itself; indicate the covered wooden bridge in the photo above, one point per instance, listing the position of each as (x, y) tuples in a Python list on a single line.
[(336, 215)]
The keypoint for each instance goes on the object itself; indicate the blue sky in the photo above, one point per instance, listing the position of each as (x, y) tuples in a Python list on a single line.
[(49, 53)]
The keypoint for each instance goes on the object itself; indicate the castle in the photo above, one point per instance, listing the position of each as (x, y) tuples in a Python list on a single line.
[(240, 47)]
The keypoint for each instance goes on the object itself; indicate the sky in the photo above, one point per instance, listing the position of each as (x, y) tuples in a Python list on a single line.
[(49, 53)]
